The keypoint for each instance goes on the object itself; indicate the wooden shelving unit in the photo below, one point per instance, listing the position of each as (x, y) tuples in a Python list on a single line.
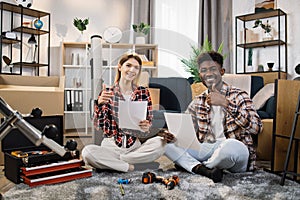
[(79, 121)]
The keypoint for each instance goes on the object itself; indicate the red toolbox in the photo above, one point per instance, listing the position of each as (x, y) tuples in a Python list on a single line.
[(54, 173), (36, 165)]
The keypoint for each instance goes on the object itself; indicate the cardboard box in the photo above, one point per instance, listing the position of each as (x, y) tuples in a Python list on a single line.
[(264, 141), (23, 93), (155, 95), (251, 36)]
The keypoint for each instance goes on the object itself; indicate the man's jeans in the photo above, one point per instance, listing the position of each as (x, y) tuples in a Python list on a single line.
[(229, 154)]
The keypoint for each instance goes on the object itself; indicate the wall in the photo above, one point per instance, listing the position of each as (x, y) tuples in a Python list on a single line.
[(291, 9), (104, 13), (101, 14)]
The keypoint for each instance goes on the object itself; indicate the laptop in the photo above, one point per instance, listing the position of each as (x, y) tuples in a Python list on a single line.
[(181, 125)]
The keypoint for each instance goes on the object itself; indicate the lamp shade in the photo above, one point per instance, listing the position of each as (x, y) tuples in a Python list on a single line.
[(32, 40)]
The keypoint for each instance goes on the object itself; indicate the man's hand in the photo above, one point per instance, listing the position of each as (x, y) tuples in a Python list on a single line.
[(145, 125), (167, 136), (215, 98)]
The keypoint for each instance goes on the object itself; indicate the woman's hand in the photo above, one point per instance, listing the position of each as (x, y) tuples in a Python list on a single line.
[(105, 96), (145, 125), (167, 136)]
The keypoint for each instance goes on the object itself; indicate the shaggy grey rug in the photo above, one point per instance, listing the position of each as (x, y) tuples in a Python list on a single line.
[(257, 185)]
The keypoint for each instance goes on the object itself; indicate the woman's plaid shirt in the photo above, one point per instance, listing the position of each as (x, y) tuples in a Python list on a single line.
[(106, 115), (241, 119)]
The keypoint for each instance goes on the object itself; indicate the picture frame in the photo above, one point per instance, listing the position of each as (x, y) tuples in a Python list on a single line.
[(265, 5)]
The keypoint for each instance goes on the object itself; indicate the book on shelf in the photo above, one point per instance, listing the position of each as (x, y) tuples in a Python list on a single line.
[(78, 96), (68, 97), (145, 60), (74, 100), (143, 57)]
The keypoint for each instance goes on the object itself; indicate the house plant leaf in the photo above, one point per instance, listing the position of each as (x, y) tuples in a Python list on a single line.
[(80, 24), (191, 64)]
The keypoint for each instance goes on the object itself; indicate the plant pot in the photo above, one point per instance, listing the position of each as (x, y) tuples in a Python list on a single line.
[(82, 38), (140, 40)]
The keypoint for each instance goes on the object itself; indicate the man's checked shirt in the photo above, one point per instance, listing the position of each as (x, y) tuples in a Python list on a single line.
[(240, 121)]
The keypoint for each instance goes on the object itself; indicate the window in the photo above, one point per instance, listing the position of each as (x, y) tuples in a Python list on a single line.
[(176, 30)]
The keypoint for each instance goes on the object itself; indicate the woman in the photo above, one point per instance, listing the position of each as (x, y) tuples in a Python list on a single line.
[(121, 148)]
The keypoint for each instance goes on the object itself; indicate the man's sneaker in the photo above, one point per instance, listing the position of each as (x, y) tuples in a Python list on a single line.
[(215, 174)]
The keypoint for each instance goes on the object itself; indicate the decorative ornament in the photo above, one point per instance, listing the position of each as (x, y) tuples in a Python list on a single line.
[(38, 24), (267, 29), (270, 65), (297, 69), (24, 3), (141, 30)]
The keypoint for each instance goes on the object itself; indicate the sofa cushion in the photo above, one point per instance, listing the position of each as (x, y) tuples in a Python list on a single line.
[(167, 100), (257, 82), (263, 114), (175, 92), (263, 95), (242, 81), (270, 107)]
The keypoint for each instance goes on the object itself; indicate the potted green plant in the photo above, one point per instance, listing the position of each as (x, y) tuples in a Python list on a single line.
[(80, 24), (141, 30), (191, 64)]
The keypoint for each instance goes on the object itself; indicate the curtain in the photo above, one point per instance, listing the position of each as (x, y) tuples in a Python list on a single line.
[(144, 12), (215, 22)]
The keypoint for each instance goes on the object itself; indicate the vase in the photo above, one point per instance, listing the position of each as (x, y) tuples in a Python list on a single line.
[(81, 38), (267, 36), (270, 66), (249, 68), (260, 68)]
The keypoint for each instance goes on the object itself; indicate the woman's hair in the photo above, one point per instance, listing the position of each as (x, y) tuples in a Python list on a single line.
[(123, 59)]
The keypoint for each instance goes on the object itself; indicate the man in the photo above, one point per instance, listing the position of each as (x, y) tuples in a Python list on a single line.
[(224, 119)]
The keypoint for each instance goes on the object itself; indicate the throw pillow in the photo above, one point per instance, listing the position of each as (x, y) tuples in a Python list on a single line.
[(262, 96)]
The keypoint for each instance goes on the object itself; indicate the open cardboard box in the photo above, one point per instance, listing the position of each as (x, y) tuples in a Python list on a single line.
[(23, 93)]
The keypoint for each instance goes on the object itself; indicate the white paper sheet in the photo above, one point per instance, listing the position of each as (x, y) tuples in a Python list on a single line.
[(131, 113), (181, 125)]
